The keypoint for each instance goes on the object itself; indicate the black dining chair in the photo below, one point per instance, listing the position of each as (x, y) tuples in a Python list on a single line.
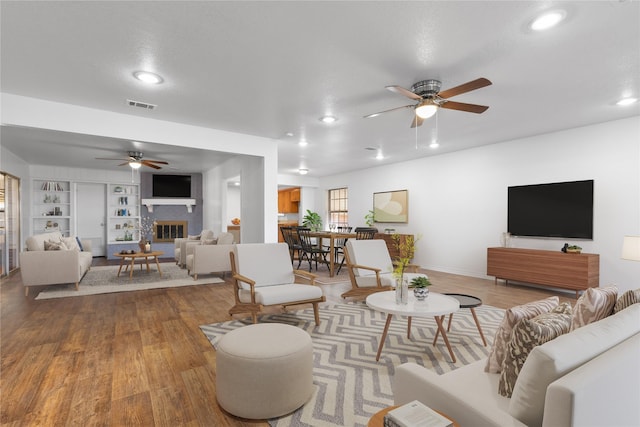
[(339, 246), (365, 233), (310, 250), (290, 236)]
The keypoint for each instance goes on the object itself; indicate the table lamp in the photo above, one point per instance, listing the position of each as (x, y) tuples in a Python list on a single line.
[(631, 248)]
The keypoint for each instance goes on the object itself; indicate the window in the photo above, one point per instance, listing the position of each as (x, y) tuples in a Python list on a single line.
[(338, 207)]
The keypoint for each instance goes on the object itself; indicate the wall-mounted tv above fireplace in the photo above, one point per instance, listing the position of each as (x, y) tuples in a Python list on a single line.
[(561, 209), (172, 186)]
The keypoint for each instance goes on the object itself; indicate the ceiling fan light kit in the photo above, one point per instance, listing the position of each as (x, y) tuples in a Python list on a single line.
[(430, 98), (135, 161)]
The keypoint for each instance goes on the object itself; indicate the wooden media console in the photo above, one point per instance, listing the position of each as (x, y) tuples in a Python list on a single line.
[(551, 268)]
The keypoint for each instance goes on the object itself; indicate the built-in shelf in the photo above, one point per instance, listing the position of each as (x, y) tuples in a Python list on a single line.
[(189, 203)]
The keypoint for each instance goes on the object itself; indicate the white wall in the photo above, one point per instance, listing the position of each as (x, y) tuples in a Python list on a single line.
[(458, 201), (260, 153)]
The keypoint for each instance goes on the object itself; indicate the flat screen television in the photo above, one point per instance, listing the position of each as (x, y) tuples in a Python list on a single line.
[(561, 209), (172, 186)]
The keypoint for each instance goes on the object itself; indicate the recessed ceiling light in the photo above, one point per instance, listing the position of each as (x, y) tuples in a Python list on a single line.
[(627, 101), (303, 143), (434, 144), (548, 20), (328, 119), (303, 171), (147, 77), (379, 156), (289, 134)]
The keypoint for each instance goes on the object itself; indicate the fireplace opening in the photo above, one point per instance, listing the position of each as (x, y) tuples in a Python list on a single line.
[(167, 231)]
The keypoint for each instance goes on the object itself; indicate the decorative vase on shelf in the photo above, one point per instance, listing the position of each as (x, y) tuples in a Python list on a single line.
[(421, 293), (402, 291)]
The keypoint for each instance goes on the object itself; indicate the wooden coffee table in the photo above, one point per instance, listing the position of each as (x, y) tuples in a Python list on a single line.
[(436, 306), (378, 418), (124, 258)]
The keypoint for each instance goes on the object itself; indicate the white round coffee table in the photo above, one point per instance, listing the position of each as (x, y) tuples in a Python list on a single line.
[(436, 305)]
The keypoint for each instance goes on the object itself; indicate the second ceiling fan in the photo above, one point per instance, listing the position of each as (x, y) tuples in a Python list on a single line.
[(135, 160), (430, 98)]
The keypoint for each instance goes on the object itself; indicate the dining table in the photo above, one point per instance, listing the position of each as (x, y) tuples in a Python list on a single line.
[(332, 236)]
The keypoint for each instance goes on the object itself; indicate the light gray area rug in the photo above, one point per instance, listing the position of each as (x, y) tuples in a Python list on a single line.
[(104, 280), (350, 386)]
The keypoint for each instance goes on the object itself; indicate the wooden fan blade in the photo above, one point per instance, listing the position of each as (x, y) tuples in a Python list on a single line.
[(405, 92), (110, 158), (160, 162), (122, 164), (386, 111), (417, 121), (466, 87), (461, 106), (151, 165)]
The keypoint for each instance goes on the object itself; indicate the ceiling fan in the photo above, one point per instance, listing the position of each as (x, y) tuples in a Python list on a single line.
[(430, 98), (135, 161)]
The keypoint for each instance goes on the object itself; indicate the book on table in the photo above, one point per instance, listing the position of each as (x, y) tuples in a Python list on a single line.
[(415, 414)]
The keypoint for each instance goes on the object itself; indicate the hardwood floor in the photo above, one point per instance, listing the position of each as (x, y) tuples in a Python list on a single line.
[(139, 358)]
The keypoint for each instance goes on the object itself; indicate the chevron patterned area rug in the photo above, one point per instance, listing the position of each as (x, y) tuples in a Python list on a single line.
[(350, 385)]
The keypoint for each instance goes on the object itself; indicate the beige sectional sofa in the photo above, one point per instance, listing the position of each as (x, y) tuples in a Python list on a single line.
[(587, 377), (40, 267)]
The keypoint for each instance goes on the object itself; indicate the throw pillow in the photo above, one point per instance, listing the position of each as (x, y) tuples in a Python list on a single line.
[(511, 317), (53, 246), (209, 241), (628, 298), (79, 244), (527, 334), (190, 237), (70, 243), (594, 304)]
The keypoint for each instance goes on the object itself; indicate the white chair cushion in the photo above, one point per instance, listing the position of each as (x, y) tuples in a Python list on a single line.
[(267, 264), (282, 294), (371, 253)]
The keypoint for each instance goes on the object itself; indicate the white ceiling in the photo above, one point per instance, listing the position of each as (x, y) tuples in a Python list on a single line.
[(268, 68)]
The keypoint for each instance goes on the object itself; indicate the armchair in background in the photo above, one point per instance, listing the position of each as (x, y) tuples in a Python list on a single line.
[(370, 267), (205, 258), (180, 245)]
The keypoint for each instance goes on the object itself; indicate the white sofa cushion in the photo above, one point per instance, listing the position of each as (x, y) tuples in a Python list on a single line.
[(467, 394), (554, 359), (264, 264)]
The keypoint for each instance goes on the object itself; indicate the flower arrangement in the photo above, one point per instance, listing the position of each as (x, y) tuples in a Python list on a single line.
[(406, 249), (147, 227)]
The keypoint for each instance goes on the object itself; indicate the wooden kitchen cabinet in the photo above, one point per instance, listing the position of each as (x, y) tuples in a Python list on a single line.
[(288, 200)]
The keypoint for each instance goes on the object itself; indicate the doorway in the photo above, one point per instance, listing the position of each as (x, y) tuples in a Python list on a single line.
[(91, 215), (9, 223)]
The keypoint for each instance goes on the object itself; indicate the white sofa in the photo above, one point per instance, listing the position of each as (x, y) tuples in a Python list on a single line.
[(588, 377), (213, 258), (39, 267)]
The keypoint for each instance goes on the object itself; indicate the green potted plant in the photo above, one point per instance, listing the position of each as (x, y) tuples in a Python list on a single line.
[(312, 220), (419, 285), (370, 218)]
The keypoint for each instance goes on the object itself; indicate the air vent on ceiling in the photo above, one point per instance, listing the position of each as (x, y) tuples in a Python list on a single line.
[(140, 104)]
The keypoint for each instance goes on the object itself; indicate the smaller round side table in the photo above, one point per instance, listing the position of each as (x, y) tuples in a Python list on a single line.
[(470, 302)]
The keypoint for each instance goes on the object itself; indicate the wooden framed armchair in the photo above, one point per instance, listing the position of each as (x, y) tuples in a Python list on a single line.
[(370, 267), (263, 276)]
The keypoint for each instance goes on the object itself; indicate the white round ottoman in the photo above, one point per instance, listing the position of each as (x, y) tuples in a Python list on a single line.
[(264, 370)]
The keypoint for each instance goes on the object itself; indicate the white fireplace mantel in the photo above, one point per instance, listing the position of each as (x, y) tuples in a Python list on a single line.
[(189, 203)]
